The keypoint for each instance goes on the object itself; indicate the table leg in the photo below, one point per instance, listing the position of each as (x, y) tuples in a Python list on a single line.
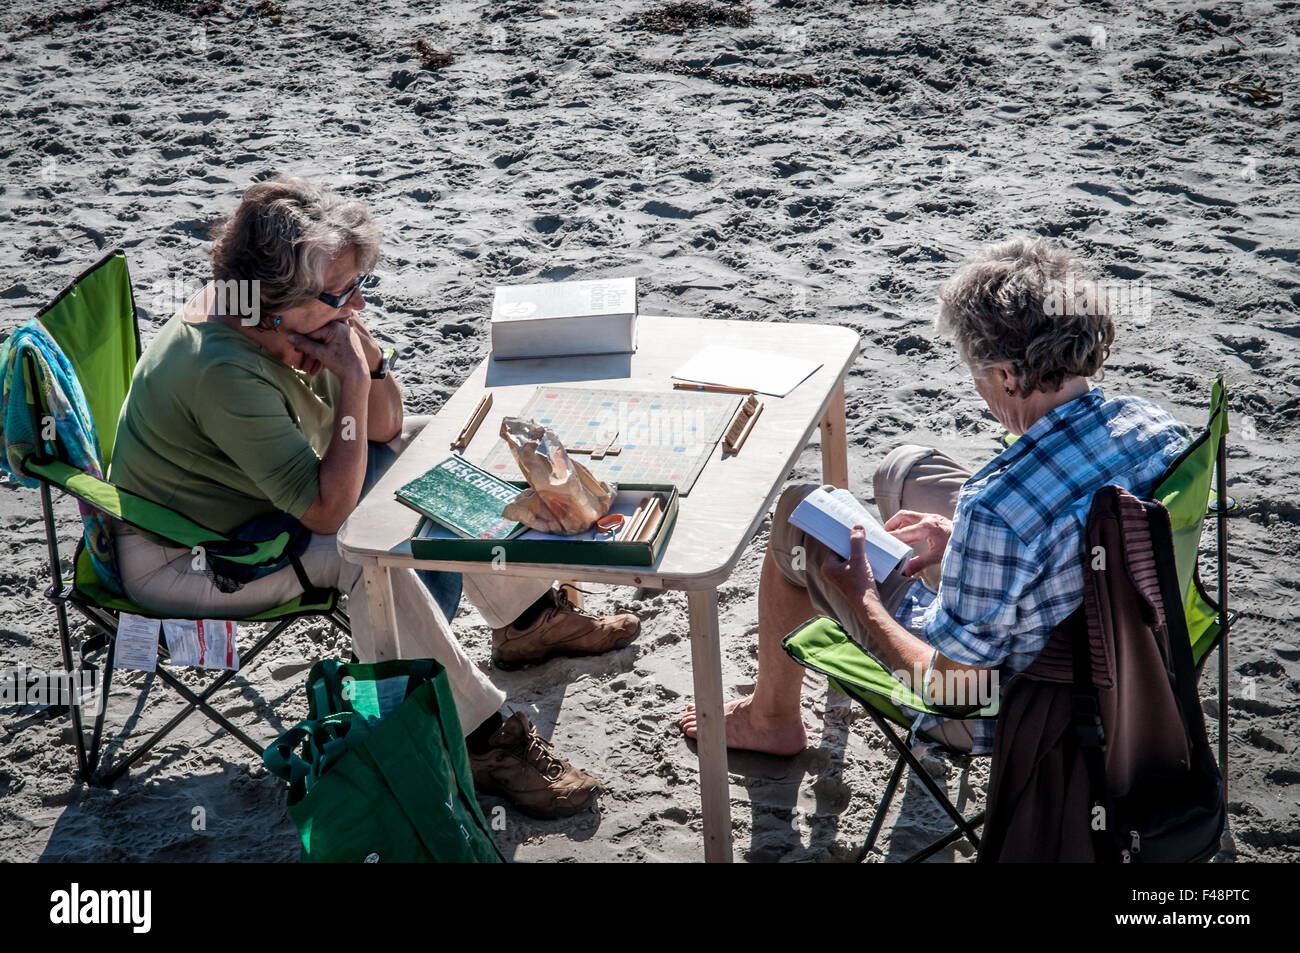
[(711, 740), (835, 442), (383, 614)]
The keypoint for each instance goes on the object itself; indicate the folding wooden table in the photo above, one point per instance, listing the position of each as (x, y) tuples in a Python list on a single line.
[(716, 521)]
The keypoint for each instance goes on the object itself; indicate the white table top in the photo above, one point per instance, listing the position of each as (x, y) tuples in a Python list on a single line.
[(716, 520)]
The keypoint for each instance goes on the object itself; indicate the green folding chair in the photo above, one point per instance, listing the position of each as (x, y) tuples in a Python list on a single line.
[(1190, 490), (94, 323)]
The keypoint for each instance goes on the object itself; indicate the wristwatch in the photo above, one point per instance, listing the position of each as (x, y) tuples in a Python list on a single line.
[(388, 357)]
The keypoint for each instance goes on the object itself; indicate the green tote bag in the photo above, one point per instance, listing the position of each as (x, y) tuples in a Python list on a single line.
[(379, 772)]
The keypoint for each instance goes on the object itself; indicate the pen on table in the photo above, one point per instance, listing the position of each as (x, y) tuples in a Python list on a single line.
[(683, 385)]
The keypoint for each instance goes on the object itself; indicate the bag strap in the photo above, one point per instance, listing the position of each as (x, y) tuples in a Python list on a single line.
[(1085, 710), (1090, 736), (323, 742), (310, 593), (282, 759)]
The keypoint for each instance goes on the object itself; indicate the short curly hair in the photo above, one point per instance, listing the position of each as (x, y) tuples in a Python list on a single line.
[(284, 234), (1029, 305)]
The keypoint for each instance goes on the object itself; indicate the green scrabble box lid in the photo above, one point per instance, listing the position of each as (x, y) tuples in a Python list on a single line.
[(466, 500)]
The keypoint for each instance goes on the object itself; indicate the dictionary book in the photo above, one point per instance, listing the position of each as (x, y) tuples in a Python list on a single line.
[(468, 501)]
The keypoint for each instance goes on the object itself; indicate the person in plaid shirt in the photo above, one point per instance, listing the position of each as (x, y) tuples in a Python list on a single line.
[(996, 562)]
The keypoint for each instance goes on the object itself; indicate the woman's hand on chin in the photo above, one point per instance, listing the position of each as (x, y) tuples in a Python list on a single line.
[(301, 362), (336, 347)]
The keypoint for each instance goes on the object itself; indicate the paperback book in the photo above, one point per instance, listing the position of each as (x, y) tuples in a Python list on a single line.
[(828, 514)]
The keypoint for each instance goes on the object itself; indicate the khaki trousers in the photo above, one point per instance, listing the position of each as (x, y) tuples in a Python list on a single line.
[(164, 580), (911, 477)]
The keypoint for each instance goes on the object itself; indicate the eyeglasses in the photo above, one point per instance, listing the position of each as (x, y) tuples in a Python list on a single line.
[(339, 300)]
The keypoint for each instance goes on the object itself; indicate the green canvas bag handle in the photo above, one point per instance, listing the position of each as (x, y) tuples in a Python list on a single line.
[(322, 742), (281, 758)]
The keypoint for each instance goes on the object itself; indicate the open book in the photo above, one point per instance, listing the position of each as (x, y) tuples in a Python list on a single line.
[(828, 514)]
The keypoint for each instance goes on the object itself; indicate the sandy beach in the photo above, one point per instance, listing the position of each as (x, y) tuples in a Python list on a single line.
[(804, 161)]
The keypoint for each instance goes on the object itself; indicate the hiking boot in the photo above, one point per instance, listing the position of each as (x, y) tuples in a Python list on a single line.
[(561, 629), (519, 766)]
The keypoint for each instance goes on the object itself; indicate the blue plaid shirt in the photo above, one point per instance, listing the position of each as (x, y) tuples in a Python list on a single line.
[(1012, 570)]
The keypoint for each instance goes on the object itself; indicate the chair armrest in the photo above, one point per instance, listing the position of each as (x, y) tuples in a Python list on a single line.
[(153, 517), (821, 644)]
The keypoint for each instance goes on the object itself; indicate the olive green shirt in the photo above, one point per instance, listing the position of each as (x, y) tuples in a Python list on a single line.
[(221, 431)]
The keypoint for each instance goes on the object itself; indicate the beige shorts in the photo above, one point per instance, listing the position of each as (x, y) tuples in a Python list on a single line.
[(910, 478)]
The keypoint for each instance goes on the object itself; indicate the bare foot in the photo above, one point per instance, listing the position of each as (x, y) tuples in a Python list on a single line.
[(747, 731)]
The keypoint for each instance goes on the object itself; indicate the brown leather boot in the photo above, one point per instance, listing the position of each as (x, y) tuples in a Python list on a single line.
[(519, 766), (561, 629)]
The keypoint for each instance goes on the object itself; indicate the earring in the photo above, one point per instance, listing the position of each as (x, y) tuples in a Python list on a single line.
[(277, 324), (1010, 392)]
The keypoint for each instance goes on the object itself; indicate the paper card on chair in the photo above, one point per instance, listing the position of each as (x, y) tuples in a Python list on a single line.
[(136, 645), (204, 643)]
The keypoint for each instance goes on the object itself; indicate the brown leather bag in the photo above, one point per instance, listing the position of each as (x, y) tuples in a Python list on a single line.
[(1100, 753)]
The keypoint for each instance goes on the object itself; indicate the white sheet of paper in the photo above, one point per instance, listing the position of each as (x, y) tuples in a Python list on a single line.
[(761, 371), (136, 643), (204, 643), (736, 367)]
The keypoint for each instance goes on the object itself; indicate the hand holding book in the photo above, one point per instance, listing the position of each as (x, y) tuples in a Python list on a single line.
[(853, 577), (913, 528), (829, 513)]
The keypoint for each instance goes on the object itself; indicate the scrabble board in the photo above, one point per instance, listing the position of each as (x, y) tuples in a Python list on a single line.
[(665, 436)]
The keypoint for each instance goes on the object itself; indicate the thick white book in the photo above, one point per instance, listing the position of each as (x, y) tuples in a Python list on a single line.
[(828, 514), (562, 318)]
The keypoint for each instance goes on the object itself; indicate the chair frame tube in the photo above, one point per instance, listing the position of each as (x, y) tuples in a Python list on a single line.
[(965, 827), (89, 754), (1221, 488)]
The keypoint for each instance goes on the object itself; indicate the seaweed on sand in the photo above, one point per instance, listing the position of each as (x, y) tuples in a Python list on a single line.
[(680, 16), (430, 58)]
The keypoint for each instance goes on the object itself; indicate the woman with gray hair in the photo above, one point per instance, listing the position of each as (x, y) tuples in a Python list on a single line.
[(996, 553), (266, 401)]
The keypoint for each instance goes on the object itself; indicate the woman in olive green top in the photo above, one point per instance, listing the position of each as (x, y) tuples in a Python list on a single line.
[(266, 394), (218, 431)]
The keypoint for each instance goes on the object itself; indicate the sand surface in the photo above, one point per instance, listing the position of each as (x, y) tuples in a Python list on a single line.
[(829, 162)]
